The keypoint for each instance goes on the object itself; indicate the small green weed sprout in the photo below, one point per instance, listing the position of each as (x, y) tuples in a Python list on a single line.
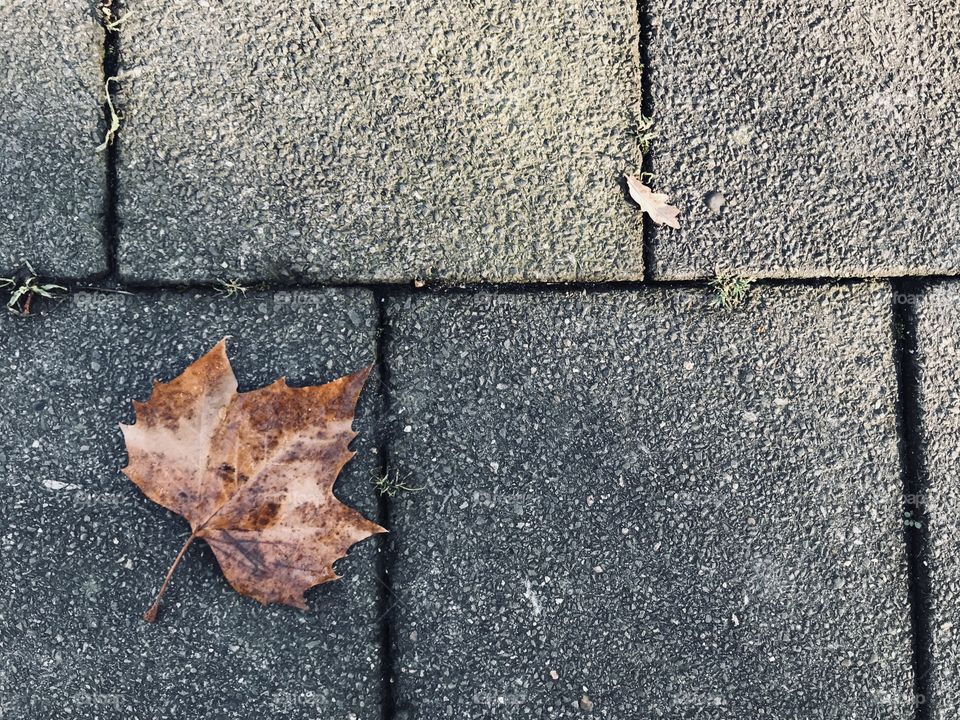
[(730, 291), (390, 484), (231, 288), (645, 133), (26, 285)]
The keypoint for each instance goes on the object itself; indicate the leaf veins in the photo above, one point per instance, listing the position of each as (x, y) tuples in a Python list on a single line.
[(252, 473)]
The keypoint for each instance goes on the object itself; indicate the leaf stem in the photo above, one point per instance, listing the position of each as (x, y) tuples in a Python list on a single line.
[(151, 614)]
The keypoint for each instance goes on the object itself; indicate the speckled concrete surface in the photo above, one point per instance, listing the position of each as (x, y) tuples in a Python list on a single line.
[(366, 141), (938, 345), (828, 127), (641, 507), (51, 177), (82, 551)]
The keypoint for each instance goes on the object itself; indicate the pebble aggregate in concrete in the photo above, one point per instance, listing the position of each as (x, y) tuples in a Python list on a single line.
[(82, 551), (830, 128), (52, 179), (938, 330), (636, 505), (355, 140)]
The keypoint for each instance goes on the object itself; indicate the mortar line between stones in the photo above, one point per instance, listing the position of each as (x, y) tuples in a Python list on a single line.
[(396, 288), (387, 666), (110, 227), (644, 32), (909, 418)]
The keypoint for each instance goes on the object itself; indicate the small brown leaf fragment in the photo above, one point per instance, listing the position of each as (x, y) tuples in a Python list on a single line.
[(653, 204), (252, 473)]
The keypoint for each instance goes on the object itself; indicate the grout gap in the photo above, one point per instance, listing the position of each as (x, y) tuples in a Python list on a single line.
[(110, 227), (644, 35), (915, 484), (387, 666), (395, 288)]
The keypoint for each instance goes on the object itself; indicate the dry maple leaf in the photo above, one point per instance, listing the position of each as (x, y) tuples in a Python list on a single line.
[(653, 204), (252, 473)]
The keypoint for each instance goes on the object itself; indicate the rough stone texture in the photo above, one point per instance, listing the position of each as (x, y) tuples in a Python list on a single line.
[(51, 177), (352, 140), (82, 551), (938, 330), (829, 127), (680, 512)]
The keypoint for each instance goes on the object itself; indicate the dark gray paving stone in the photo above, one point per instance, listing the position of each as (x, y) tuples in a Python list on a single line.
[(83, 550), (51, 177), (938, 316), (355, 140), (829, 127), (678, 511)]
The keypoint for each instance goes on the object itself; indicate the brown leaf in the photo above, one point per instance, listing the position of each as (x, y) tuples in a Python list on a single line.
[(653, 204), (252, 473)]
